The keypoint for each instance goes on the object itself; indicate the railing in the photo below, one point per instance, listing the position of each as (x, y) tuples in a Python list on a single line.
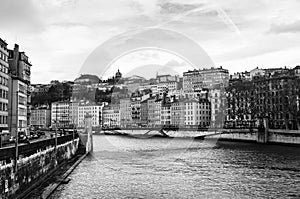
[(8, 153), (284, 131)]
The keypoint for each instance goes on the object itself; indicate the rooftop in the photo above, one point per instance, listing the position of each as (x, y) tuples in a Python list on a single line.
[(88, 76), (3, 42)]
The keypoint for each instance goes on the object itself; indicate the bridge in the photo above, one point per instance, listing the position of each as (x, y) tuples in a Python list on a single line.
[(147, 132)]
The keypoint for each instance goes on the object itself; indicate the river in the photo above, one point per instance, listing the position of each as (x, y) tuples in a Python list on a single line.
[(124, 167)]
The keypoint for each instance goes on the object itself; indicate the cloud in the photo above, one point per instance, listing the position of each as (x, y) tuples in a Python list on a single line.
[(175, 8), (20, 16), (58, 35), (175, 63), (260, 47), (285, 28)]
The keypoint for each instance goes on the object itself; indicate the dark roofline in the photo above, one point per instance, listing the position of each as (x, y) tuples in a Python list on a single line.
[(15, 77), (3, 41), (41, 108)]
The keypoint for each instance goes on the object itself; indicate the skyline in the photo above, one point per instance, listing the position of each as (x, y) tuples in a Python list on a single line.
[(58, 36), (163, 72)]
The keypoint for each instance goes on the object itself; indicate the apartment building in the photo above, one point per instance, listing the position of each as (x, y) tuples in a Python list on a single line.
[(3, 86), (60, 114)]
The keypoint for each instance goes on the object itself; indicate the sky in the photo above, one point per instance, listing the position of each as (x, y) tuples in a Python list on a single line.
[(59, 35)]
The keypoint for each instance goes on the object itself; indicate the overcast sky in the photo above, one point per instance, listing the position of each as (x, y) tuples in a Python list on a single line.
[(58, 35)]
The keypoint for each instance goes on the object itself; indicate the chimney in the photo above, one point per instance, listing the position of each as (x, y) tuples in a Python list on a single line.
[(15, 58)]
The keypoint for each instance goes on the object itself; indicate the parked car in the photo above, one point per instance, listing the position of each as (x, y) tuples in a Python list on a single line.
[(35, 134), (41, 133), (21, 139), (12, 139)]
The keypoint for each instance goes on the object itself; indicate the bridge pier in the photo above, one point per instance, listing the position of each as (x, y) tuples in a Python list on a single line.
[(262, 133), (161, 131), (88, 130)]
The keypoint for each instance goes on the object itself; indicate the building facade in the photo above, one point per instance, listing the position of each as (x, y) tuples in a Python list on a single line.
[(197, 113), (60, 114), (125, 112), (19, 96), (154, 111), (271, 93), (74, 107), (213, 78), (4, 66), (192, 80), (144, 112), (92, 110), (178, 113), (135, 101), (111, 116), (209, 78), (40, 117), (165, 115)]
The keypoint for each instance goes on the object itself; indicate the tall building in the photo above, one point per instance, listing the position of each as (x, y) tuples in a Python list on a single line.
[(210, 78), (154, 111), (40, 117), (125, 112), (165, 114), (111, 116), (166, 83), (215, 80), (151, 110), (74, 105), (92, 110), (218, 102), (192, 80), (19, 91), (135, 99), (272, 93), (215, 77), (60, 114), (3, 85), (197, 112), (178, 112), (144, 112)]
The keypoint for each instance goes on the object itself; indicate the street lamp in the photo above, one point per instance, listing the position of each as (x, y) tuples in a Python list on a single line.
[(56, 126), (73, 128)]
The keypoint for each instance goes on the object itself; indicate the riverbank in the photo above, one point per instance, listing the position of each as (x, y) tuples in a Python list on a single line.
[(49, 183)]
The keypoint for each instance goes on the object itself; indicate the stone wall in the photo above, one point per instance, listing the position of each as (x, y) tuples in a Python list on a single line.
[(30, 169), (284, 137), (237, 136)]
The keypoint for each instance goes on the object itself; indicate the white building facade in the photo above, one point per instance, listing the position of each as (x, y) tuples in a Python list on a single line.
[(94, 111), (60, 114)]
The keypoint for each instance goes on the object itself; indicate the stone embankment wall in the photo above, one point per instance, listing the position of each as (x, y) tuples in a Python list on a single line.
[(30, 169), (284, 137)]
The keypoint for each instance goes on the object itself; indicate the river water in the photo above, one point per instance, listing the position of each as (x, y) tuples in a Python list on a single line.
[(124, 167)]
